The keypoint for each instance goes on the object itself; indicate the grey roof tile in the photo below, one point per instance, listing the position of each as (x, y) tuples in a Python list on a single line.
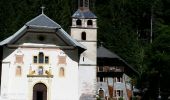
[(105, 53), (83, 14), (43, 21)]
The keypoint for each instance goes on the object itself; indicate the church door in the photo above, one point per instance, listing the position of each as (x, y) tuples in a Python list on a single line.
[(39, 92)]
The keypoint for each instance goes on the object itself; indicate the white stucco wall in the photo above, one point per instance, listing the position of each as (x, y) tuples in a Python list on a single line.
[(21, 87)]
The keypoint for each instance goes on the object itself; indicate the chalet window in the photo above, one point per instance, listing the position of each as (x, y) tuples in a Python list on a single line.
[(119, 93), (40, 70), (61, 72), (35, 59), (18, 71), (83, 35), (118, 79), (46, 59), (89, 23), (101, 79), (78, 22), (41, 57), (100, 68)]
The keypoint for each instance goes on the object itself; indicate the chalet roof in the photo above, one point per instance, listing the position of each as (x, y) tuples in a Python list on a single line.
[(43, 22), (83, 14), (103, 53)]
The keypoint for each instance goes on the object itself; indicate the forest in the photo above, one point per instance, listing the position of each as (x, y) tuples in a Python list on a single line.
[(137, 30)]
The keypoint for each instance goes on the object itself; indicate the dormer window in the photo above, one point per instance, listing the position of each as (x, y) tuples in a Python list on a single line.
[(89, 23), (83, 36), (78, 22)]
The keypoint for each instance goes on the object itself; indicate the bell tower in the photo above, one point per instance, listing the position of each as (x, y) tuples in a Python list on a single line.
[(84, 30)]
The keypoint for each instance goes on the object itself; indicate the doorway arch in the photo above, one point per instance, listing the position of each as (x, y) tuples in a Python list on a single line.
[(40, 91)]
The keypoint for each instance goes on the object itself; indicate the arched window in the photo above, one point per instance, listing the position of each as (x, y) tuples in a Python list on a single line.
[(18, 71), (83, 36), (41, 57), (40, 70), (101, 93), (89, 22), (78, 22), (61, 72)]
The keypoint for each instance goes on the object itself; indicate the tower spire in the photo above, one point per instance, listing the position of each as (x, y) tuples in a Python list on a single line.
[(83, 4)]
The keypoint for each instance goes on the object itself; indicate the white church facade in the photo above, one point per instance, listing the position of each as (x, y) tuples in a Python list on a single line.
[(43, 62)]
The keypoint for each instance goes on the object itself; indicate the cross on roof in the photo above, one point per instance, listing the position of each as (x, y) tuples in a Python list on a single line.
[(101, 44), (42, 9)]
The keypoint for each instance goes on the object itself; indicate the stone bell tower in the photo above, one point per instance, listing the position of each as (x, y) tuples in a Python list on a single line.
[(84, 30)]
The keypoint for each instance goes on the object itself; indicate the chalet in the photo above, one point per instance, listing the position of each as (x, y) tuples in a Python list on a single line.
[(113, 75)]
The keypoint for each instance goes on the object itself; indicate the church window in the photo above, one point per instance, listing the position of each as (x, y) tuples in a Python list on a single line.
[(35, 59), (61, 72), (83, 59), (19, 59), (89, 22), (40, 70), (62, 60), (78, 22), (46, 59), (83, 36), (18, 71), (41, 57)]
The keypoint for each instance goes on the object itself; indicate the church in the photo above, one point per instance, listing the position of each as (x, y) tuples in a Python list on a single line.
[(41, 61)]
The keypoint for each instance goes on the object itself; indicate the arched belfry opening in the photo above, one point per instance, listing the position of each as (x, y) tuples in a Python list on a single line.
[(78, 22), (89, 22), (40, 91)]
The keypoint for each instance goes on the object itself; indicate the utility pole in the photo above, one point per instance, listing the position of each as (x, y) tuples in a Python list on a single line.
[(151, 21)]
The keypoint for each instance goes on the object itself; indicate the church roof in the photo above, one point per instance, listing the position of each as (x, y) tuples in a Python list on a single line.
[(83, 14), (43, 22)]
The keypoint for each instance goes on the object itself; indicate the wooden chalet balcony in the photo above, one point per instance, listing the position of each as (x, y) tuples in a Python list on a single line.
[(109, 74)]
